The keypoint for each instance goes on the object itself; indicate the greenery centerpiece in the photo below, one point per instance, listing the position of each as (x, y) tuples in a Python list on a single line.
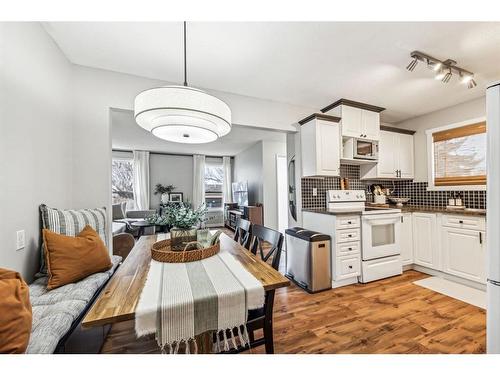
[(184, 221), (164, 191)]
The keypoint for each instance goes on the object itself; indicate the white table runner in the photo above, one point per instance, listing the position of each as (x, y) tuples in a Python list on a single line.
[(182, 300)]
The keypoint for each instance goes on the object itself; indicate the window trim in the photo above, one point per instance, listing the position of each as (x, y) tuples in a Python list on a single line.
[(430, 160)]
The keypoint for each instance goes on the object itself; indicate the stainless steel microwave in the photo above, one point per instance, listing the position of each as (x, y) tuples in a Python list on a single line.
[(364, 149)]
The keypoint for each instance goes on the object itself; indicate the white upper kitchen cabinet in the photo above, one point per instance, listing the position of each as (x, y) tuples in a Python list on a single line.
[(358, 120), (395, 157), (406, 238), (370, 124), (320, 145), (426, 244)]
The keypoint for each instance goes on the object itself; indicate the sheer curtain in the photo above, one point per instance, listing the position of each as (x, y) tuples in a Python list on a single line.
[(226, 186), (198, 180), (141, 180)]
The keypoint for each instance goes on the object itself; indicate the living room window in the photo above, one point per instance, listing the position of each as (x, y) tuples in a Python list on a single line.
[(458, 156), (214, 180), (122, 178)]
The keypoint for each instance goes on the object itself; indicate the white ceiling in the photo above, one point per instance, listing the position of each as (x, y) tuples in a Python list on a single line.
[(127, 135), (309, 64)]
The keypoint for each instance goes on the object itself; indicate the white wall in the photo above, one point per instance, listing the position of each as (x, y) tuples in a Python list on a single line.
[(247, 166), (35, 138), (257, 165), (269, 152), (461, 112), (174, 170)]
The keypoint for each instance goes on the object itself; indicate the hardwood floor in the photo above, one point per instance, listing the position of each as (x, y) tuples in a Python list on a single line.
[(386, 316)]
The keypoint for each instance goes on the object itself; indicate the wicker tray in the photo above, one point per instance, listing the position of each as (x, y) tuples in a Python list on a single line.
[(161, 252)]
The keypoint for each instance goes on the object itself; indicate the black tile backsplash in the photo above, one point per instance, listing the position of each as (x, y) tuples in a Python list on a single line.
[(416, 191)]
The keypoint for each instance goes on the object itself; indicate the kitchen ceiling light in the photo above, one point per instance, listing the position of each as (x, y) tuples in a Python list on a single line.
[(444, 69), (181, 113)]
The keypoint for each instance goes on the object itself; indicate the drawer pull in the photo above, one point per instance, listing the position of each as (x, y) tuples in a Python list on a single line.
[(349, 222), (460, 221), (350, 267), (349, 235), (350, 249)]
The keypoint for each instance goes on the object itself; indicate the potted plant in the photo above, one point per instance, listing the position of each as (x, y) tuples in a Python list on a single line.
[(163, 191), (184, 221)]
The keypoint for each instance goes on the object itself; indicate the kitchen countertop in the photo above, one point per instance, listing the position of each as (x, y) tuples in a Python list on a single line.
[(405, 208), (443, 210)]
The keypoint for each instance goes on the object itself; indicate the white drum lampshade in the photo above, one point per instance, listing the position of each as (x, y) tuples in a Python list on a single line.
[(182, 114)]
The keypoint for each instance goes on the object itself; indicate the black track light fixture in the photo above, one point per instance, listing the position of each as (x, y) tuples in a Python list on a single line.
[(444, 68)]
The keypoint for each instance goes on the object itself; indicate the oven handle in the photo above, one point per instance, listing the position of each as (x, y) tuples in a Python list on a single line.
[(382, 219)]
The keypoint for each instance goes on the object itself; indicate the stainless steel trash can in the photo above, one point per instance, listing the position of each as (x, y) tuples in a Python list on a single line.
[(308, 259)]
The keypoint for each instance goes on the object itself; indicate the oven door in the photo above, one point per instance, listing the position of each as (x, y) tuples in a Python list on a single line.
[(364, 149), (380, 235)]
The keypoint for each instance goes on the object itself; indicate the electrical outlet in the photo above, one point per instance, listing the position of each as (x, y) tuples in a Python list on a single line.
[(20, 239), (315, 192)]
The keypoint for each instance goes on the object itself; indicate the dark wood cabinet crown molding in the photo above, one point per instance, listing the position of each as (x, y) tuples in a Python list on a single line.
[(396, 130), (352, 103), (320, 116)]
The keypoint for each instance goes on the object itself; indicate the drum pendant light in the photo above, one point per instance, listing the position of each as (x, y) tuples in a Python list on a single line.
[(181, 113)]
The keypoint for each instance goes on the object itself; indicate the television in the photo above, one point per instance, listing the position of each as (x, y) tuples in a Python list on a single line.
[(240, 193)]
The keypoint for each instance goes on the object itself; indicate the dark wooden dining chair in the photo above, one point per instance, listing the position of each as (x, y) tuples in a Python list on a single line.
[(267, 242), (243, 233), (123, 243)]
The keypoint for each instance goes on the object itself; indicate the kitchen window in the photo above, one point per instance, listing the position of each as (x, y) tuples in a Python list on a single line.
[(458, 156)]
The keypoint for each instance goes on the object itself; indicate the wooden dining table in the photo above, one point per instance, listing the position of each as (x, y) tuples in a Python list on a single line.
[(118, 300)]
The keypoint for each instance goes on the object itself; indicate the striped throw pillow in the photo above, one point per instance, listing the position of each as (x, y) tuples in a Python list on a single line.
[(70, 223)]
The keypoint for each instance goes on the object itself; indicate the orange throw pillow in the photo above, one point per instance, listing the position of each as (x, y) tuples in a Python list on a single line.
[(70, 259), (15, 313)]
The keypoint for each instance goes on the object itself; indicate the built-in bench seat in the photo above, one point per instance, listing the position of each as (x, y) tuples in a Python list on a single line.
[(57, 313)]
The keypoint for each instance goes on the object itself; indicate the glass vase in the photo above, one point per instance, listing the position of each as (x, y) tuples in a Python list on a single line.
[(180, 237)]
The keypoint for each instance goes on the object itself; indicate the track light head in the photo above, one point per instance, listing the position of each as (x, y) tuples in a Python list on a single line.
[(447, 77), (471, 84), (412, 65)]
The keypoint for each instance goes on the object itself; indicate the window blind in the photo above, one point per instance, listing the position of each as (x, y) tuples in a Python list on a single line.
[(460, 155)]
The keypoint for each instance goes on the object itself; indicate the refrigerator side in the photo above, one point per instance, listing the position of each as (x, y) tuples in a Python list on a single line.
[(493, 218)]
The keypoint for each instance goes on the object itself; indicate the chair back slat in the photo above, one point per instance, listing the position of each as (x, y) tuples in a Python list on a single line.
[(261, 235), (243, 233)]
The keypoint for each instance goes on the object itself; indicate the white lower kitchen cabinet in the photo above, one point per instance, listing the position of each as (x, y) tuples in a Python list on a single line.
[(406, 238), (426, 247), (464, 253)]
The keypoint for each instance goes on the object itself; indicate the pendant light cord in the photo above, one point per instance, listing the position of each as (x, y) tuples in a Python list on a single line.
[(185, 65)]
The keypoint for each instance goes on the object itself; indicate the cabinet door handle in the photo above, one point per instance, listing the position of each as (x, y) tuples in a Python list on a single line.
[(481, 238), (402, 219)]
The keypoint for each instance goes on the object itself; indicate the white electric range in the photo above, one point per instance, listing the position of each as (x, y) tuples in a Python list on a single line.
[(380, 234)]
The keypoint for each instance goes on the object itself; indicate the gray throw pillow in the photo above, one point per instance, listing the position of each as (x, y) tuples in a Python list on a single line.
[(70, 223)]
